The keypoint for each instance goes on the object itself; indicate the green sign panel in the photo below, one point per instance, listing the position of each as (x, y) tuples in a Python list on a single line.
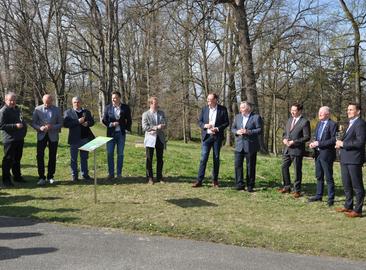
[(94, 144)]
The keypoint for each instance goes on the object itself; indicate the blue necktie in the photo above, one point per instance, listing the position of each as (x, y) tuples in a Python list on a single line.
[(319, 132)]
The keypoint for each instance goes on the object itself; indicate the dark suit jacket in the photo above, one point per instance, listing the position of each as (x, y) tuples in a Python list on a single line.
[(8, 118), (353, 150), (326, 149), (249, 142), (222, 121), (300, 134), (125, 120), (71, 121)]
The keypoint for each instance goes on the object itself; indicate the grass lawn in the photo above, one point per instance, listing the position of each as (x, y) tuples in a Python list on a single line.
[(264, 218)]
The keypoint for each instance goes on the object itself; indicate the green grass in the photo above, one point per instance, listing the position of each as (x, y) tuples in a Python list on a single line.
[(261, 219)]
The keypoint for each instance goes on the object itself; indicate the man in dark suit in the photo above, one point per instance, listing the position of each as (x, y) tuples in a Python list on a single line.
[(324, 154), (246, 128), (213, 120), (14, 130), (297, 133), (352, 157), (117, 118), (47, 120), (78, 120)]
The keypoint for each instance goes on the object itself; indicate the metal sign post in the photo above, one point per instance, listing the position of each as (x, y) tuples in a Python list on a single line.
[(91, 147)]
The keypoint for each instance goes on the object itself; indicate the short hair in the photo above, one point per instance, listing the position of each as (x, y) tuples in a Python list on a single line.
[(76, 98), (10, 94), (248, 104), (297, 105), (356, 104), (116, 93), (325, 108), (214, 95), (151, 99)]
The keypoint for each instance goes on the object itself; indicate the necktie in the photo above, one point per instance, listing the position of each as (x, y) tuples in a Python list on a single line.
[(293, 124), (320, 131)]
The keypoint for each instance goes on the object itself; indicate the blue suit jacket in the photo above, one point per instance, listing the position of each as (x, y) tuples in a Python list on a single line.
[(125, 120), (222, 121), (327, 141), (249, 142), (71, 121), (353, 150)]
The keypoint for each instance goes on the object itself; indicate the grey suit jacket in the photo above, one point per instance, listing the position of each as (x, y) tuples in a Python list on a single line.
[(39, 119), (149, 122), (300, 134), (249, 142)]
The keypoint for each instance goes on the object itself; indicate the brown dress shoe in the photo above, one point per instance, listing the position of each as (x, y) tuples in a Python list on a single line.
[(215, 183), (343, 210), (151, 181), (197, 184), (296, 194), (283, 190), (353, 214)]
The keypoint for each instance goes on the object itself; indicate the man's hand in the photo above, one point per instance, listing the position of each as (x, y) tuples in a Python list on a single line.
[(314, 144), (19, 125), (208, 126), (81, 120), (339, 144)]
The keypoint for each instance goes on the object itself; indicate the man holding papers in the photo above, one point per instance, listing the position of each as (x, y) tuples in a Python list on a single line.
[(154, 123)]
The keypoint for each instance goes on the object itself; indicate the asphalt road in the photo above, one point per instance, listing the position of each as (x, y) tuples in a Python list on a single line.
[(27, 244)]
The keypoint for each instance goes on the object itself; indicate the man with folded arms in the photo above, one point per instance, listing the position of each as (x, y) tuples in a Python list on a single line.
[(324, 154), (352, 157)]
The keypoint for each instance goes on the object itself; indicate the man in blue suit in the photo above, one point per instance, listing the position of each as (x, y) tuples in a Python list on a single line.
[(324, 154), (213, 120), (246, 128), (78, 120), (352, 157), (117, 119)]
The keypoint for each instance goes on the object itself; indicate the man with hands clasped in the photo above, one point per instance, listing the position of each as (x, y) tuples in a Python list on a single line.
[(324, 154), (246, 127)]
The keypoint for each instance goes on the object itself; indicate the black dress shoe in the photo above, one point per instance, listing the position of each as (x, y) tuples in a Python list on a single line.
[(330, 203), (314, 199), (197, 184), (75, 178), (250, 189), (87, 177)]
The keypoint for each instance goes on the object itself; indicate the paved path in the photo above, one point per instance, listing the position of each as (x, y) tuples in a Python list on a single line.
[(27, 244)]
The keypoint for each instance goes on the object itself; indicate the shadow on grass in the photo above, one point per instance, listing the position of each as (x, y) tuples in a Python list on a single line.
[(10, 253), (191, 202), (24, 198)]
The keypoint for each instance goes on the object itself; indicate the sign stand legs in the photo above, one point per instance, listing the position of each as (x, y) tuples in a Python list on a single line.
[(95, 178)]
